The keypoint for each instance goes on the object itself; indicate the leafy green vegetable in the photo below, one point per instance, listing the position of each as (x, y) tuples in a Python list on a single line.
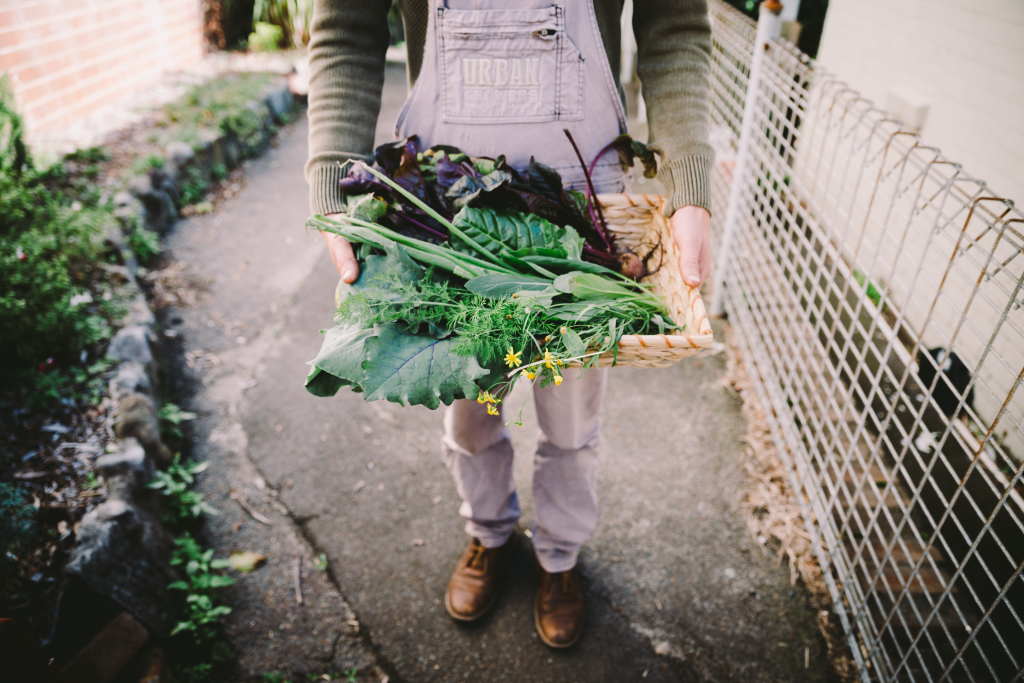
[(506, 295), (511, 231), (417, 369)]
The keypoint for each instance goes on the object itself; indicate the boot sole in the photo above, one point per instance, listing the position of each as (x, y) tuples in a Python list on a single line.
[(494, 598)]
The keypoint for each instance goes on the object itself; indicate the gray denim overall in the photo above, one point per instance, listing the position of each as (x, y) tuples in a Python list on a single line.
[(507, 81)]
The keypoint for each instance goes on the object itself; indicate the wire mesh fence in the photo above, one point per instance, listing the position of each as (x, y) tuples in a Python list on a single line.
[(876, 289)]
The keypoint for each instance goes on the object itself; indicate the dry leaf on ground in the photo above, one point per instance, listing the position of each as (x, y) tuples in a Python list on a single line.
[(246, 561)]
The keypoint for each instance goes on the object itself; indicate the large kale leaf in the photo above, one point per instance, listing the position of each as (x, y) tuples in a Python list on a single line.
[(417, 369)]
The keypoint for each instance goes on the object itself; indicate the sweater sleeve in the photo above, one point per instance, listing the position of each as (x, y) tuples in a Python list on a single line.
[(674, 65), (347, 49)]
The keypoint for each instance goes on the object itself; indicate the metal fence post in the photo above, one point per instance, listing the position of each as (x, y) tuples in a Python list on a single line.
[(769, 24)]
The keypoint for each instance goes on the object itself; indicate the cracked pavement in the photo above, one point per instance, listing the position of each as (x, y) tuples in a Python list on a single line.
[(676, 589)]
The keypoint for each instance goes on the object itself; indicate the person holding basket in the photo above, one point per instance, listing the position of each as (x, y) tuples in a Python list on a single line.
[(495, 77)]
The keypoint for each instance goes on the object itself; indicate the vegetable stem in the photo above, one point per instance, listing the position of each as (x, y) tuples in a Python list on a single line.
[(433, 214)]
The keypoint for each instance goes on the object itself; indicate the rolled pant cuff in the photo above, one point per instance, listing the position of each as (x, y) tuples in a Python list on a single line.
[(555, 561), (489, 538)]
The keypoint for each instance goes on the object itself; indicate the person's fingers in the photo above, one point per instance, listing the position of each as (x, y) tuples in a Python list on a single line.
[(343, 257), (688, 242)]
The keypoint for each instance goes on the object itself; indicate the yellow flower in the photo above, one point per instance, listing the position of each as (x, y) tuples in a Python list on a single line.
[(563, 330), (560, 362), (512, 358), (491, 410), (485, 397), (530, 374), (547, 339), (558, 380), (548, 359)]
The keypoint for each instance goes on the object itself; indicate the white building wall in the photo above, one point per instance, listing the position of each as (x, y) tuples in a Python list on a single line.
[(965, 60)]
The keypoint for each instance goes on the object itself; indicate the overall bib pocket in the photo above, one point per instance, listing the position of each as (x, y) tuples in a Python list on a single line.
[(508, 66)]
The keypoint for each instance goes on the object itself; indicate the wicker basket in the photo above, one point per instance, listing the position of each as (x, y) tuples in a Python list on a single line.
[(638, 223)]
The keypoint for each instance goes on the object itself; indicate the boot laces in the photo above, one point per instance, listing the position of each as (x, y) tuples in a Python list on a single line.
[(478, 558), (568, 580)]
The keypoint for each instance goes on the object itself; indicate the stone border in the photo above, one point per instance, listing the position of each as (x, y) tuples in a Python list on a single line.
[(122, 552)]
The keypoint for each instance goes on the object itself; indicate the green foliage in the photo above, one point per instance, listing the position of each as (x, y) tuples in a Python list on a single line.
[(351, 675), (203, 615), (17, 521), (51, 245), (201, 672), (147, 163), (183, 504), (228, 104), (171, 417), (220, 172), (266, 37), (872, 291), (291, 18), (321, 562), (145, 244), (274, 677), (194, 186)]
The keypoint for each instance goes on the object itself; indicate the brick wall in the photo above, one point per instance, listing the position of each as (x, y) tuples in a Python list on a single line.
[(69, 57), (965, 59)]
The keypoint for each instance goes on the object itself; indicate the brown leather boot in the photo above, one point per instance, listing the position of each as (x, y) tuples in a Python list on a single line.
[(474, 584), (558, 611)]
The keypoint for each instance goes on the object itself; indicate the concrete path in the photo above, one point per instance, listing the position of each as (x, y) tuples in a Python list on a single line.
[(677, 591)]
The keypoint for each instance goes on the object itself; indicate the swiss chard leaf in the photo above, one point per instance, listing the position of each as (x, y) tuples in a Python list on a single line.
[(467, 188), (590, 286), (545, 181), (366, 207), (417, 369), (499, 285), (498, 231), (573, 244), (448, 172)]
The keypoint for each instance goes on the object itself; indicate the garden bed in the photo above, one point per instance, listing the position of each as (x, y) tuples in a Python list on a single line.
[(81, 386)]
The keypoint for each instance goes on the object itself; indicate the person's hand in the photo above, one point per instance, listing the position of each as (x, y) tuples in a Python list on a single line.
[(691, 229), (341, 254)]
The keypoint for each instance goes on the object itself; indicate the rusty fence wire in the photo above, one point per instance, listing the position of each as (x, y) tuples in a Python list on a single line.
[(876, 289)]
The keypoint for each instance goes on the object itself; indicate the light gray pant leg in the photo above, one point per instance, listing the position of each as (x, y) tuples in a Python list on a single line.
[(565, 467), (478, 453)]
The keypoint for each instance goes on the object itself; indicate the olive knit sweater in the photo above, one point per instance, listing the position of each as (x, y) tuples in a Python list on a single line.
[(349, 39)]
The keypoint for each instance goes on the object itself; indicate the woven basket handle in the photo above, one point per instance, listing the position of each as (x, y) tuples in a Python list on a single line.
[(696, 317)]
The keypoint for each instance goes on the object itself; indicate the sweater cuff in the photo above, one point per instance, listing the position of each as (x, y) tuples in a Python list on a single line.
[(688, 181), (325, 196)]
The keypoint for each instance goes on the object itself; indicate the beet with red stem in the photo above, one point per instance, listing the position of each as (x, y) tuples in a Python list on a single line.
[(602, 227)]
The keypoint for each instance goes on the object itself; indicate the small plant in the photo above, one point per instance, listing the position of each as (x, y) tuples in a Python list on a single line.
[(171, 417), (145, 244), (203, 615), (147, 163), (17, 521), (91, 482), (351, 676), (194, 187), (197, 673), (174, 483), (321, 562), (220, 172), (274, 677)]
